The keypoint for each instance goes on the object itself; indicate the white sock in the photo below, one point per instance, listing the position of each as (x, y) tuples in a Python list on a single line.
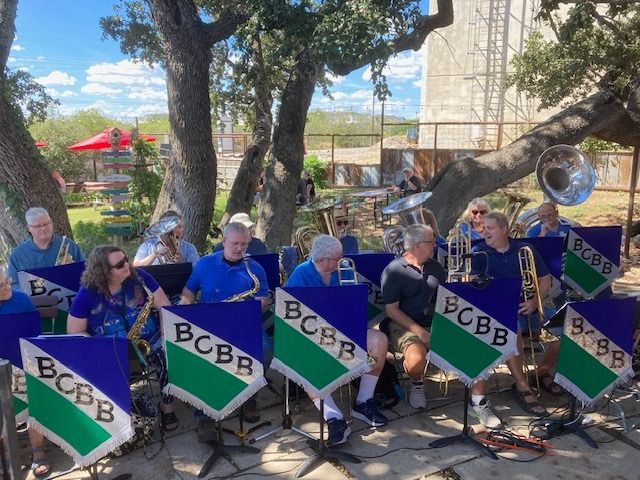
[(476, 399), (330, 408), (367, 388)]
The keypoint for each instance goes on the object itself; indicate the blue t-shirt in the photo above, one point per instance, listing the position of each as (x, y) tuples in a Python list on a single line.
[(18, 303), (563, 230), (113, 316), (475, 235), (256, 247), (217, 280), (187, 251), (306, 275), (503, 265), (27, 255), (349, 245)]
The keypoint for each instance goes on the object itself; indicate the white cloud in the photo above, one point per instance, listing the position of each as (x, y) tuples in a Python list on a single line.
[(99, 89), (417, 83), (335, 79), (17, 48), (144, 93), (57, 78), (402, 67), (125, 72), (143, 110), (58, 94), (11, 60)]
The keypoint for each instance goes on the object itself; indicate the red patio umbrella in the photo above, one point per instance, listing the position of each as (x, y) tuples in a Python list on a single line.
[(101, 140)]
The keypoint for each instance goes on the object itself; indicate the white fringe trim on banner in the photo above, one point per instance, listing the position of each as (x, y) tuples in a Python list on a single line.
[(570, 387), (22, 416), (92, 457), (449, 369), (352, 374), (233, 404)]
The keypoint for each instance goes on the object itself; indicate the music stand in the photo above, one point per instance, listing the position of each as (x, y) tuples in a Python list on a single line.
[(172, 277), (220, 450)]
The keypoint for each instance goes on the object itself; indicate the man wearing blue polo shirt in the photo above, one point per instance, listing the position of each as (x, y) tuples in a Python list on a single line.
[(550, 225), (321, 269), (500, 260), (221, 275)]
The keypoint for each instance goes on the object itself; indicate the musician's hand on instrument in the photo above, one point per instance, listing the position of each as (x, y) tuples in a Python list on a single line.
[(528, 307)]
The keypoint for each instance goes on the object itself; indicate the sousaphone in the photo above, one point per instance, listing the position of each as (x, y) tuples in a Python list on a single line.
[(409, 211)]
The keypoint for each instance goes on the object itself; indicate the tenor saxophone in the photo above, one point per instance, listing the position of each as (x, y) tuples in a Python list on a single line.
[(238, 297), (135, 332)]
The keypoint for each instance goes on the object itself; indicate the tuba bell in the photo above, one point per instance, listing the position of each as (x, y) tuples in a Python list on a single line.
[(323, 222), (409, 211), (167, 246), (566, 177)]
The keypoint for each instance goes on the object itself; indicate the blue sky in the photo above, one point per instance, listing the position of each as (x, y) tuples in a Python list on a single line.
[(59, 43)]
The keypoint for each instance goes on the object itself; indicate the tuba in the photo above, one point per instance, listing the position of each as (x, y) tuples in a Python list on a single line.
[(323, 222), (167, 247), (409, 209), (566, 177)]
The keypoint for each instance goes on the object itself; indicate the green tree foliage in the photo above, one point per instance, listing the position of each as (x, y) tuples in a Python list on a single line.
[(145, 184), (28, 96), (154, 124), (595, 47), (59, 133), (318, 169)]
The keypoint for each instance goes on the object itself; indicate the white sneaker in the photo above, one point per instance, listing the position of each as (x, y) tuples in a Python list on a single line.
[(484, 413), (416, 396)]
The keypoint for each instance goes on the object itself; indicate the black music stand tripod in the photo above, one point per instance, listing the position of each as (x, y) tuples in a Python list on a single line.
[(241, 433), (464, 437), (571, 425), (322, 454), (222, 450)]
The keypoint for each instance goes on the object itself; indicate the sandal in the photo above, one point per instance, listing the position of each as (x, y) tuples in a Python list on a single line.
[(40, 466), (547, 383), (533, 407), (168, 421)]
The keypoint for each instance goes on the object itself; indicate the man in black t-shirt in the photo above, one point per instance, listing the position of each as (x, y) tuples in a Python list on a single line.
[(410, 184)]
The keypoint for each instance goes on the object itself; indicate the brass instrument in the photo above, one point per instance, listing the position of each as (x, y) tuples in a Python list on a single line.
[(168, 247), (459, 259), (347, 274), (142, 347), (323, 222), (409, 210), (566, 177), (238, 297), (63, 257), (530, 289), (515, 204)]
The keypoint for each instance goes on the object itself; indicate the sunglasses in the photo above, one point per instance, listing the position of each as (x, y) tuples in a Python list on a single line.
[(342, 222), (481, 212), (120, 264)]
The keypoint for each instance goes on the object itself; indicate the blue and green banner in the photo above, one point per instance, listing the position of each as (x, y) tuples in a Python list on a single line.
[(596, 347), (271, 265), (14, 327), (214, 354), (592, 260), (369, 267), (53, 286), (475, 327), (320, 337), (78, 393)]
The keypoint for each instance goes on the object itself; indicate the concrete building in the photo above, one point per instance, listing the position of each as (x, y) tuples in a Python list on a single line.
[(466, 65)]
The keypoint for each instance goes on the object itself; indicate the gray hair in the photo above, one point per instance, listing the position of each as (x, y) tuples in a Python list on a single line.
[(33, 213), (415, 233), (235, 227), (500, 218), (324, 246)]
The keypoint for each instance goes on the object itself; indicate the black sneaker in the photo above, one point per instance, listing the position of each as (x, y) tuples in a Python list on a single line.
[(250, 411), (339, 431), (368, 412)]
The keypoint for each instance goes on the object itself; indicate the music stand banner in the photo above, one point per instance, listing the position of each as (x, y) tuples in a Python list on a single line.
[(596, 347), (475, 327), (14, 327), (214, 354), (369, 267), (271, 265), (592, 261), (320, 337), (79, 393), (59, 284)]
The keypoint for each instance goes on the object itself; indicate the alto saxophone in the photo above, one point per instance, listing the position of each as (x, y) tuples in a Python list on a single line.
[(142, 347), (238, 297), (63, 256)]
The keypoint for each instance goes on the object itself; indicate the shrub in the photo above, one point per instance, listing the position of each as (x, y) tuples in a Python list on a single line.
[(318, 169), (89, 235)]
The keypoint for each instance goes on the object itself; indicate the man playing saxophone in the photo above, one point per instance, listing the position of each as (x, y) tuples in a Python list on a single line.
[(165, 243), (115, 299), (228, 275), (42, 248)]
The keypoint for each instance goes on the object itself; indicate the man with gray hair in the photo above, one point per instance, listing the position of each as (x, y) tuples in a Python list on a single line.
[(321, 269), (42, 248)]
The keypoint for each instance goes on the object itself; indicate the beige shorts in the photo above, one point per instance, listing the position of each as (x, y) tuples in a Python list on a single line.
[(400, 338)]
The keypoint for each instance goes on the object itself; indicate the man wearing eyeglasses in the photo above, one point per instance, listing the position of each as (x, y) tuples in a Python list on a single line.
[(41, 248), (409, 285), (410, 183), (549, 225)]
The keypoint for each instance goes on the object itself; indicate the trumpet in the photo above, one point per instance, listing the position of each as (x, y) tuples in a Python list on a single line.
[(459, 259), (530, 289), (63, 257)]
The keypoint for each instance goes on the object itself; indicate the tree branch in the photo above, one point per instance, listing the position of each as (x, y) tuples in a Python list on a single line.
[(226, 25), (8, 10)]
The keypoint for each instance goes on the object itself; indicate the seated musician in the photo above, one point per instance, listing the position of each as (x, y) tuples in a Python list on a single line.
[(109, 303), (321, 269), (14, 301), (256, 246), (42, 248), (410, 183), (472, 220), (549, 225), (167, 244), (348, 241), (225, 276), (501, 261)]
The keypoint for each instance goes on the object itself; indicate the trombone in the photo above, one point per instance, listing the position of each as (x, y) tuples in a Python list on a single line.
[(530, 289), (347, 274), (459, 259)]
